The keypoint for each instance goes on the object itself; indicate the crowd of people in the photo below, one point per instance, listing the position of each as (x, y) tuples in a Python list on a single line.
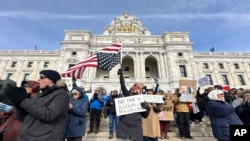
[(47, 110)]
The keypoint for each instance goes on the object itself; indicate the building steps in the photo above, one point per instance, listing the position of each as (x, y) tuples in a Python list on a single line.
[(199, 132)]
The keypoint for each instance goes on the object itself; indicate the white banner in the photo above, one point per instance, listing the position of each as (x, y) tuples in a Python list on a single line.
[(128, 105), (153, 98)]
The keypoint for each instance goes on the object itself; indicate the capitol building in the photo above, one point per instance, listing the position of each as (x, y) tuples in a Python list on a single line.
[(169, 57)]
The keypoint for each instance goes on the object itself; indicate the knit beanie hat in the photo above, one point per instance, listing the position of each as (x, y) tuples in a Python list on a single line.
[(54, 76), (77, 90)]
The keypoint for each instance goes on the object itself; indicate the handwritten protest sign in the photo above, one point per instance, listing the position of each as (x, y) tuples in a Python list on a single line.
[(203, 81), (128, 105), (153, 98), (187, 90), (167, 108)]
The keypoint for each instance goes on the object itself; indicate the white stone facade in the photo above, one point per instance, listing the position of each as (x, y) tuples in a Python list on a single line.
[(168, 57)]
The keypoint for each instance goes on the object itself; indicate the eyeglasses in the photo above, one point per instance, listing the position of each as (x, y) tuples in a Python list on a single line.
[(42, 77)]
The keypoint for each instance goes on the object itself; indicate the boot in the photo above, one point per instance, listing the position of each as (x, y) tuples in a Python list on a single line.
[(90, 130), (96, 130), (110, 136)]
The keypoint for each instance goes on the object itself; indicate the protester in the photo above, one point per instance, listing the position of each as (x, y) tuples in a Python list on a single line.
[(164, 118), (113, 118), (15, 116), (151, 124), (183, 113), (131, 124), (96, 105), (46, 117), (222, 115), (243, 111), (78, 107), (200, 103)]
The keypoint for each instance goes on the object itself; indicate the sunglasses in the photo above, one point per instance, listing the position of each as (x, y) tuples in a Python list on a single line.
[(42, 77)]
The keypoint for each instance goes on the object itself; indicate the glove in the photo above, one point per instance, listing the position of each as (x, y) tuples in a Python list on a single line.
[(5, 108), (15, 94), (119, 73), (179, 95), (156, 109), (145, 105), (237, 102)]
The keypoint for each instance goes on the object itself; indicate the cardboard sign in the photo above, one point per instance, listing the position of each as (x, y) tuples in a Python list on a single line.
[(188, 89), (128, 105), (167, 108), (203, 81), (153, 98)]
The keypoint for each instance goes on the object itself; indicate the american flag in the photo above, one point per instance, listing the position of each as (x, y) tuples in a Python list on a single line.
[(105, 59)]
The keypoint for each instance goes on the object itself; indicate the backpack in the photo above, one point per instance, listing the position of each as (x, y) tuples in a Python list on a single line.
[(3, 84)]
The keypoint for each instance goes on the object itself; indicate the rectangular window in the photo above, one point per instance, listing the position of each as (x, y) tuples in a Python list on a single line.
[(30, 64), (209, 79), (241, 80), (146, 68), (183, 71), (46, 64), (225, 80), (221, 66), (13, 64), (205, 65), (26, 76), (236, 66), (106, 77), (9, 76)]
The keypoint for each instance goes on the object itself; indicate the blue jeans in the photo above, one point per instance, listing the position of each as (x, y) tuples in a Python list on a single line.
[(113, 119)]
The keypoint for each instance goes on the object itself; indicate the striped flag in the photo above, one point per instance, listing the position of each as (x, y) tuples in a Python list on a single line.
[(105, 59)]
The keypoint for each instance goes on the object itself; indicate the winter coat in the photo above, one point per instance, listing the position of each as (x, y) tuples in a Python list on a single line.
[(151, 124), (47, 116), (111, 104), (180, 106), (221, 115), (130, 125), (77, 118), (13, 126)]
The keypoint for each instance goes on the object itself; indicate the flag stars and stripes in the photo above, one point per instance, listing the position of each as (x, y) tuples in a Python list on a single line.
[(106, 59)]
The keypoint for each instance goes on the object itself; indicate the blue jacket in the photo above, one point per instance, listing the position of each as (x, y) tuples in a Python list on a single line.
[(222, 115), (96, 103), (76, 126)]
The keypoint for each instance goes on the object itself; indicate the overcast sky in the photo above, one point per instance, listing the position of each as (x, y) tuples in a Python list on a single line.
[(222, 24)]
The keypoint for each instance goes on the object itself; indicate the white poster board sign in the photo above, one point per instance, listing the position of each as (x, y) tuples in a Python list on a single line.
[(186, 97), (128, 105), (90, 95), (153, 98), (203, 81)]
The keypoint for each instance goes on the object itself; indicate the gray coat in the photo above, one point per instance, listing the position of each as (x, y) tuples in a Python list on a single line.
[(47, 116)]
